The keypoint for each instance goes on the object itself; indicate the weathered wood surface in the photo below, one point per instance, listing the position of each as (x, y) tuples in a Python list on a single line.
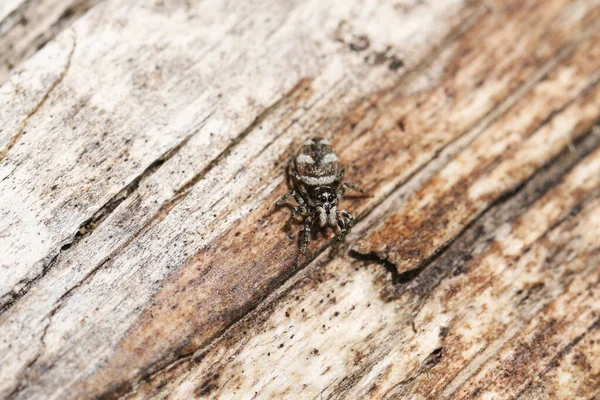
[(27, 25), (142, 151)]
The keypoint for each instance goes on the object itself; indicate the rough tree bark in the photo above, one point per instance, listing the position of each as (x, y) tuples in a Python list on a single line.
[(143, 147)]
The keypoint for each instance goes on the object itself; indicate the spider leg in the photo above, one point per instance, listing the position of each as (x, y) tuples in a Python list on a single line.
[(285, 196), (340, 174), (292, 172), (349, 217), (305, 238), (345, 222), (301, 210), (342, 189), (343, 231), (292, 192)]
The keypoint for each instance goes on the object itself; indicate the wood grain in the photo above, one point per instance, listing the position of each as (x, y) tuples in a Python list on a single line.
[(142, 151), (27, 25)]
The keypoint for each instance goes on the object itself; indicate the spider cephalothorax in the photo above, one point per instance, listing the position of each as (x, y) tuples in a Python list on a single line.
[(316, 176)]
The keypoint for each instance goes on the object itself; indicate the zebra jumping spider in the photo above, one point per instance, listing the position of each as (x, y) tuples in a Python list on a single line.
[(317, 187)]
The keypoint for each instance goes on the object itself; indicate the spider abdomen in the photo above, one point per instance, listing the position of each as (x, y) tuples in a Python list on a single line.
[(316, 163)]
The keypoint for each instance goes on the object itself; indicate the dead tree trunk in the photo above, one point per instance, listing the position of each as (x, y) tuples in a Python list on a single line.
[(142, 150)]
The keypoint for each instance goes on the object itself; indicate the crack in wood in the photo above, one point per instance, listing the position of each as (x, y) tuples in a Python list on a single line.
[(529, 192), (91, 224), (14, 139), (299, 87), (411, 280), (24, 20), (502, 210), (478, 127), (19, 388), (461, 142), (183, 191), (410, 274), (88, 227), (553, 173)]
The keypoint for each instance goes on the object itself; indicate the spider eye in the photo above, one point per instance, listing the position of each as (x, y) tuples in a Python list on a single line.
[(325, 197)]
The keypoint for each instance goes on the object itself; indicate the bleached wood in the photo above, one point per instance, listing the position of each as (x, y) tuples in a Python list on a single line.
[(27, 25), (142, 151), (8, 6)]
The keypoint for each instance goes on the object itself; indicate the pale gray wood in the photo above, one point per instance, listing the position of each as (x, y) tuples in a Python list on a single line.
[(27, 25)]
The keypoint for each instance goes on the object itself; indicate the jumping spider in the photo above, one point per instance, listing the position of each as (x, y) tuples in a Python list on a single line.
[(316, 176)]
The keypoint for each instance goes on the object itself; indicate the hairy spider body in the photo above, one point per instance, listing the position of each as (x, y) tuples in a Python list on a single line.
[(317, 187)]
